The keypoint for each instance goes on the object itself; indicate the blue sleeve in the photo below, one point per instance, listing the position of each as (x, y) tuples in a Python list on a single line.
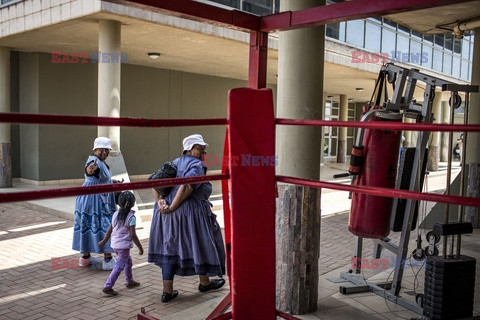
[(132, 222), (194, 170)]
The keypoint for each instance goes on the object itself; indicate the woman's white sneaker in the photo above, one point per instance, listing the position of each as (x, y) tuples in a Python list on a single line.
[(109, 265)]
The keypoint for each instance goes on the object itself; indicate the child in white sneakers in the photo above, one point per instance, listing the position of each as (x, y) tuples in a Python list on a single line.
[(124, 236)]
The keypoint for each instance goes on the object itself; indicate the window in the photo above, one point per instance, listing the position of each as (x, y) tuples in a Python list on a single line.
[(427, 56), (390, 23), (457, 46), (447, 63), (336, 31), (465, 70), (373, 34), (230, 3), (388, 42), (258, 7), (403, 30), (355, 32), (465, 48), (437, 60), (456, 67), (416, 35), (428, 38), (416, 52), (403, 46), (471, 51), (449, 42), (438, 40), (333, 31), (276, 7)]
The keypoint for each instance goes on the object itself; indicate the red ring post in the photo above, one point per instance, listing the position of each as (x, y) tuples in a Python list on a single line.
[(252, 172)]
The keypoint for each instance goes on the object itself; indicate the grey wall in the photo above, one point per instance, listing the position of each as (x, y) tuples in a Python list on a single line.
[(59, 152), (29, 103), (68, 89), (163, 94)]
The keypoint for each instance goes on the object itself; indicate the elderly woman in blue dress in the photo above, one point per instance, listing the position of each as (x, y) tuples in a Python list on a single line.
[(93, 212), (185, 238)]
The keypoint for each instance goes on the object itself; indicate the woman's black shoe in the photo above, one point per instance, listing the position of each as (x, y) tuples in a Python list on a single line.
[(167, 297), (213, 285)]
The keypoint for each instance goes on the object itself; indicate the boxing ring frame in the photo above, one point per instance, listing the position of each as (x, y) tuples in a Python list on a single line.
[(250, 222)]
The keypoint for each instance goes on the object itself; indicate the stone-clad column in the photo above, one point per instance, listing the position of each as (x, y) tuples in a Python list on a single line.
[(299, 96)]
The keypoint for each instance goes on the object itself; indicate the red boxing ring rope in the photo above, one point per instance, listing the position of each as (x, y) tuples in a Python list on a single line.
[(28, 118), (384, 192), (117, 187), (105, 121), (382, 125)]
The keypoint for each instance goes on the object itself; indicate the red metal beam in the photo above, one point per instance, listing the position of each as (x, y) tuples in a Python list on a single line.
[(225, 316), (287, 316), (198, 11), (116, 187), (344, 11), (221, 308), (144, 316), (257, 68)]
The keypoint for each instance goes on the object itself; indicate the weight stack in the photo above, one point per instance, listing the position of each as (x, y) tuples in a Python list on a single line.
[(449, 287)]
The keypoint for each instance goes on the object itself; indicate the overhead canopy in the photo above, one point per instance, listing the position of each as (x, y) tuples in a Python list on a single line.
[(439, 19)]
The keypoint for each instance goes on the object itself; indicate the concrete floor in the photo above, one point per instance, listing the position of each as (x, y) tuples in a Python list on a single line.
[(33, 234)]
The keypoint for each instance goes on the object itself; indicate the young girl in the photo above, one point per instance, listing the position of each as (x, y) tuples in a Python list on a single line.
[(123, 235)]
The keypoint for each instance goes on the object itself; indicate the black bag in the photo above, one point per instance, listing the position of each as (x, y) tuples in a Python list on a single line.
[(117, 194), (168, 170)]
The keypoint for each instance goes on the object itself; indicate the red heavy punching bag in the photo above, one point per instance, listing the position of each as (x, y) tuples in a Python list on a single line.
[(370, 215)]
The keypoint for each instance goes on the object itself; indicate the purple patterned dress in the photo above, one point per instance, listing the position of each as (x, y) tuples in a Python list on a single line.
[(189, 238)]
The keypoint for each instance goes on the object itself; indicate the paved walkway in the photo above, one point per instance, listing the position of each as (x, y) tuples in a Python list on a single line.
[(40, 280)]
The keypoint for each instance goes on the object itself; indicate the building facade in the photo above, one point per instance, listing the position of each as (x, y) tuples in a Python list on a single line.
[(197, 65)]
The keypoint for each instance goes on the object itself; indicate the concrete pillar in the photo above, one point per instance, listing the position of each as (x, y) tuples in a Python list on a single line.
[(472, 158), (300, 83), (444, 135), (300, 88), (5, 141), (109, 71), (434, 148), (109, 41), (342, 131)]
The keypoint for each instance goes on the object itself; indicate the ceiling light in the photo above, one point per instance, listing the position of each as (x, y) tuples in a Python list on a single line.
[(154, 55), (350, 100), (359, 89), (329, 97)]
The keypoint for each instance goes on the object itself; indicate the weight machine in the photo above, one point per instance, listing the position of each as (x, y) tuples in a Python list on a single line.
[(410, 176)]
